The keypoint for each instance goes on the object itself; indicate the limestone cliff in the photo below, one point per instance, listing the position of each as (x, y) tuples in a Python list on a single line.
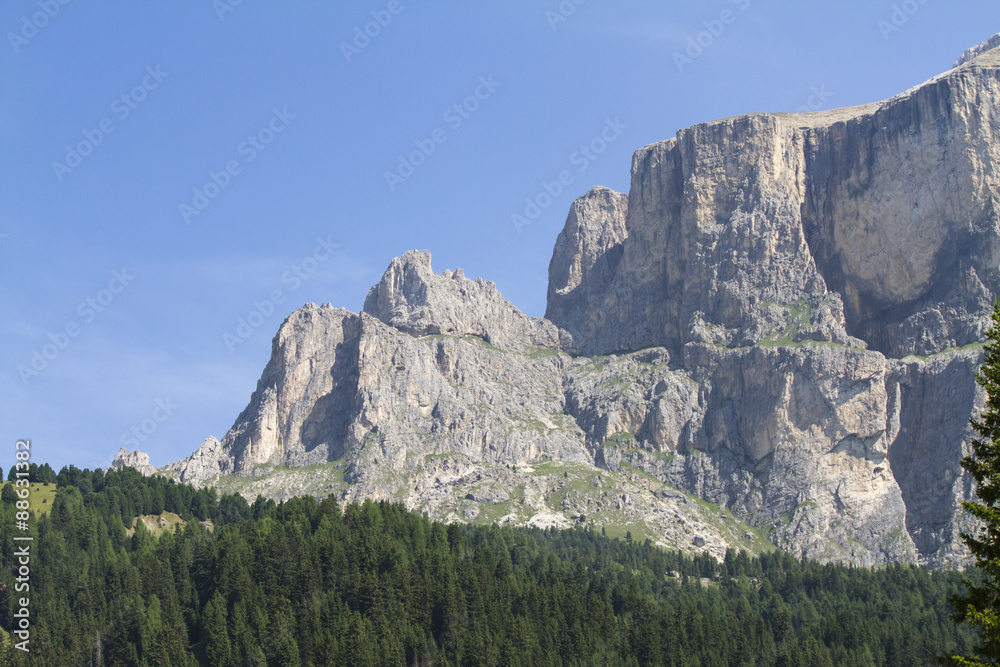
[(881, 220), (729, 352)]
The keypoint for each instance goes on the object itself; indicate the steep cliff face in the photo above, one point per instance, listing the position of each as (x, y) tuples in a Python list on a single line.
[(881, 220), (872, 227), (303, 405), (342, 384), (758, 299), (928, 402), (791, 439), (585, 258), (902, 212)]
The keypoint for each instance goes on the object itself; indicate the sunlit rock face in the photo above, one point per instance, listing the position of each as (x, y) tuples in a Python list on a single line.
[(743, 326)]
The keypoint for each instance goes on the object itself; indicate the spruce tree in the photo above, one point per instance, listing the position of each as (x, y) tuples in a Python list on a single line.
[(218, 647), (980, 606)]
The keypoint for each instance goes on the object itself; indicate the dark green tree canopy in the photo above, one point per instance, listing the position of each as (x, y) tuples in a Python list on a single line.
[(308, 582), (980, 605)]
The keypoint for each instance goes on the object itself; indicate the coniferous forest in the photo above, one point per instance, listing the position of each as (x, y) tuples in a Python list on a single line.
[(309, 582)]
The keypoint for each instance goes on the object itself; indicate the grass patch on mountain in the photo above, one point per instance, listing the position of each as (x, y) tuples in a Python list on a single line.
[(797, 316), (623, 439), (491, 513), (947, 350), (532, 425), (318, 478), (40, 496), (620, 527), (546, 353), (156, 524), (479, 340), (565, 423)]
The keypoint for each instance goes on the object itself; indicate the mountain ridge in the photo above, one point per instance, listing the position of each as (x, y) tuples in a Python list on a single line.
[(781, 320)]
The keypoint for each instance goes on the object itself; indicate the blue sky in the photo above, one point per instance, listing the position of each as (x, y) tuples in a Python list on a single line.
[(174, 178)]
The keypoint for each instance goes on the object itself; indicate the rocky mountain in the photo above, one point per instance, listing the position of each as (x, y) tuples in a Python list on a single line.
[(771, 340), (138, 460)]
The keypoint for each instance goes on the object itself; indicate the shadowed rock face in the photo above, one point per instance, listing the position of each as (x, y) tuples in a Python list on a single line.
[(928, 401), (902, 212), (758, 296), (585, 259), (881, 219), (339, 383)]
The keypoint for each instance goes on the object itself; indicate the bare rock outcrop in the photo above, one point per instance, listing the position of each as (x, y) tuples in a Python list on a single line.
[(204, 465), (974, 52), (757, 300), (789, 437), (880, 220), (585, 258), (138, 460), (340, 384), (929, 402), (415, 300)]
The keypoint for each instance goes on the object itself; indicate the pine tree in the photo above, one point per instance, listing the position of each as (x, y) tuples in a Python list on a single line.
[(218, 648), (980, 605)]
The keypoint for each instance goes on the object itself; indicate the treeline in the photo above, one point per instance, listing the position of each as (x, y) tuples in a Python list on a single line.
[(308, 582), (37, 474)]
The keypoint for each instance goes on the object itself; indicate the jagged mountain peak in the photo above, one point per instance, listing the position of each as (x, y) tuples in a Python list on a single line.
[(412, 298), (758, 300), (974, 52), (138, 460)]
